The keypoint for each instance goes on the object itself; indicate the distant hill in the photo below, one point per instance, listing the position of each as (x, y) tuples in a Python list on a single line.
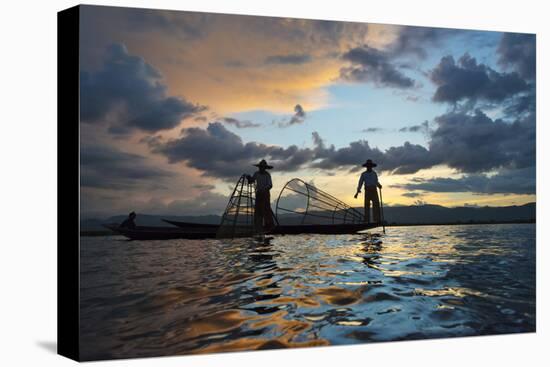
[(440, 214), (414, 214)]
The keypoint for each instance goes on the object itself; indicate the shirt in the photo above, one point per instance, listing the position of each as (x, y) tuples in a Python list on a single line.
[(263, 181), (369, 179)]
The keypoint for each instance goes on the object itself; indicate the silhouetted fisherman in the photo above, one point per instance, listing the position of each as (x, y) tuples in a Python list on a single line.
[(129, 222), (262, 209), (369, 179)]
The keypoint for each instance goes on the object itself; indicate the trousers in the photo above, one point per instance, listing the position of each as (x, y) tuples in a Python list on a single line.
[(262, 211), (371, 194)]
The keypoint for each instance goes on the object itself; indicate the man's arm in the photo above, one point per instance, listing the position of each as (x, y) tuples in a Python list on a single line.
[(378, 182), (361, 181), (251, 179)]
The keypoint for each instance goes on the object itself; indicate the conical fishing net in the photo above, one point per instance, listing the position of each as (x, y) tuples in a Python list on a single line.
[(303, 203), (238, 218)]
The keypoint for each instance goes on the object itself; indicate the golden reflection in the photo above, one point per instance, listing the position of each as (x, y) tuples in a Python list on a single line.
[(173, 296), (220, 322), (350, 323), (244, 344), (299, 301), (455, 292), (340, 296)]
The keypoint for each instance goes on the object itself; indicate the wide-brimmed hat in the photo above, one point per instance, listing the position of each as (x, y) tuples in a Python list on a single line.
[(369, 163), (264, 164)]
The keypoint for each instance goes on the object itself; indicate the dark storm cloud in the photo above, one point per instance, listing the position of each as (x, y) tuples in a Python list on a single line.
[(416, 40), (128, 93), (298, 117), (475, 143), (183, 25), (407, 158), (371, 65), (518, 51), (465, 79), (240, 124), (469, 143), (351, 156), (291, 59), (220, 153), (107, 167), (520, 181)]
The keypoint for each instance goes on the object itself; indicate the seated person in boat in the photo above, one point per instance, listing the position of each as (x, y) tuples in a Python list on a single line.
[(262, 210), (369, 179), (129, 222)]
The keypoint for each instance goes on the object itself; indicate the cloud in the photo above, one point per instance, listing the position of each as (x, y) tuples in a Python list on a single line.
[(411, 194), (186, 26), (520, 181), (423, 127), (290, 59), (476, 143), (204, 187), (298, 117), (107, 167), (415, 40), (369, 64), (404, 159), (518, 51), (467, 142), (240, 124), (218, 152), (468, 80), (373, 130), (128, 93)]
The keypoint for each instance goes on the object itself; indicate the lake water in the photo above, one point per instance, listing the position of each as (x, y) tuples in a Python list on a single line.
[(152, 298)]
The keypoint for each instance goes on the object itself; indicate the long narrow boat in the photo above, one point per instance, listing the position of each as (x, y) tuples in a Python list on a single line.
[(163, 233), (323, 228), (291, 229), (190, 225), (185, 230)]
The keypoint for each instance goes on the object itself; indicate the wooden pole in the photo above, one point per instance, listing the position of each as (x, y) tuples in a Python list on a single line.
[(382, 211)]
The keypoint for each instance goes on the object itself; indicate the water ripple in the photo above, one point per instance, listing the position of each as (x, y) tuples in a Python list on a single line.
[(150, 298)]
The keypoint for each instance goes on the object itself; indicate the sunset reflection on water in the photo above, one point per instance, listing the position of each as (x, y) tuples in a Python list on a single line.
[(151, 298)]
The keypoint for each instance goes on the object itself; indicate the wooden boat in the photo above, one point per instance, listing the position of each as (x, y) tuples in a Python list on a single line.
[(323, 228), (163, 233), (332, 215), (291, 229), (191, 225)]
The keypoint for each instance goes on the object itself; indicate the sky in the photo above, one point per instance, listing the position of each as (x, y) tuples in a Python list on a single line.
[(175, 106)]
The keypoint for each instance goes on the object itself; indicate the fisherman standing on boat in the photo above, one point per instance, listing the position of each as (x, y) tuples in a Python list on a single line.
[(369, 178), (262, 210)]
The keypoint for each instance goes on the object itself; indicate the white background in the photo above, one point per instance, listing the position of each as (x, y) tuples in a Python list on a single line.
[(28, 182)]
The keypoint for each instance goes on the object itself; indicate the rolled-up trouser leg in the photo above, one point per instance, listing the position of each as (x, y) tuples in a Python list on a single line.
[(371, 194), (367, 207)]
